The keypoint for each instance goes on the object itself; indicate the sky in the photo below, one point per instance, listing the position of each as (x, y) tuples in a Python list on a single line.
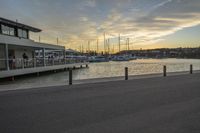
[(148, 23)]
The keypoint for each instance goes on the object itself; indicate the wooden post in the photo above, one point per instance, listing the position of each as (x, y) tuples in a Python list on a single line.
[(70, 76), (126, 73), (164, 71), (191, 69)]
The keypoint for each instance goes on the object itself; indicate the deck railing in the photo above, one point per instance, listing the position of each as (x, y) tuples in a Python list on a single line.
[(21, 63)]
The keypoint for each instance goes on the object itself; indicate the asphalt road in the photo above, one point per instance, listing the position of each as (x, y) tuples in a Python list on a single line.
[(153, 105)]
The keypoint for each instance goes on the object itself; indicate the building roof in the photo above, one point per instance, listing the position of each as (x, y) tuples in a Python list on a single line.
[(20, 25)]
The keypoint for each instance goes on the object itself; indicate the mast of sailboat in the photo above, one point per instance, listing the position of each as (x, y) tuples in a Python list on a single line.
[(108, 46), (104, 42), (57, 40), (113, 50), (128, 44), (82, 49), (89, 47), (119, 42), (97, 46)]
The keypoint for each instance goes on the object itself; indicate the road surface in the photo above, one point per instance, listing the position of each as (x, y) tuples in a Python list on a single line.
[(150, 105)]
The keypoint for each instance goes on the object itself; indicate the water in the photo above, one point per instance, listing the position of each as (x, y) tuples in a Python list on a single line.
[(110, 69), (136, 67)]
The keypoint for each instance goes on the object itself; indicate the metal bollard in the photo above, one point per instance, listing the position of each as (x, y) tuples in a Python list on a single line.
[(126, 73), (70, 76), (164, 71), (191, 69)]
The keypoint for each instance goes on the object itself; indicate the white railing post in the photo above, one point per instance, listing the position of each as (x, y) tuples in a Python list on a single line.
[(7, 58), (44, 61), (22, 61)]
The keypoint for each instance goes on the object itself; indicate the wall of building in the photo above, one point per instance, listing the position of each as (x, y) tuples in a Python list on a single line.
[(2, 57)]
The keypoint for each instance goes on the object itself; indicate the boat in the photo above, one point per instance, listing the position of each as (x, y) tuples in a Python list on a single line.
[(133, 58), (121, 58), (98, 59)]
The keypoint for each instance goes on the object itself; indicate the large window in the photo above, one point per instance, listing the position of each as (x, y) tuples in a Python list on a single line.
[(7, 30), (12, 31), (25, 35), (22, 33)]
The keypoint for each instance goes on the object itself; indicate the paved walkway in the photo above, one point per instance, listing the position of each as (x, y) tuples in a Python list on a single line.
[(149, 105)]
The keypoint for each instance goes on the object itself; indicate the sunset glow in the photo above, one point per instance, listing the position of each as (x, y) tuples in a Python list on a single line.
[(148, 23)]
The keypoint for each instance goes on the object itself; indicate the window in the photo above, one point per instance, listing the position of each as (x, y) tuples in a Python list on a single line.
[(25, 34), (20, 33), (5, 30), (12, 31)]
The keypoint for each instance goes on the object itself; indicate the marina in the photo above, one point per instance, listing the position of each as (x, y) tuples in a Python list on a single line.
[(99, 66), (104, 72)]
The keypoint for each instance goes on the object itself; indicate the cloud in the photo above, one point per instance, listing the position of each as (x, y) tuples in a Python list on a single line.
[(90, 3), (77, 21)]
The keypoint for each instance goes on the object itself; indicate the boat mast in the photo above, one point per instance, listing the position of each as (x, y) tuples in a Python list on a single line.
[(119, 43), (108, 46), (128, 44), (104, 42), (97, 45), (89, 47)]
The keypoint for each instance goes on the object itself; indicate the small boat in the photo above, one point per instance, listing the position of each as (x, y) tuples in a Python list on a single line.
[(98, 59), (121, 58), (133, 58)]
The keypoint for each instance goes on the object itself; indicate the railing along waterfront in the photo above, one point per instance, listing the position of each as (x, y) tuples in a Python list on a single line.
[(21, 63), (165, 70)]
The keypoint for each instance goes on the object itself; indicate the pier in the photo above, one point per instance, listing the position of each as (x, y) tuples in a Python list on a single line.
[(155, 104)]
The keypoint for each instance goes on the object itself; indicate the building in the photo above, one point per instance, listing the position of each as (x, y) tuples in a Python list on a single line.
[(21, 55)]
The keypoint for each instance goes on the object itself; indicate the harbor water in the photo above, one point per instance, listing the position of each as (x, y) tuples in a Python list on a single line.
[(106, 69)]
